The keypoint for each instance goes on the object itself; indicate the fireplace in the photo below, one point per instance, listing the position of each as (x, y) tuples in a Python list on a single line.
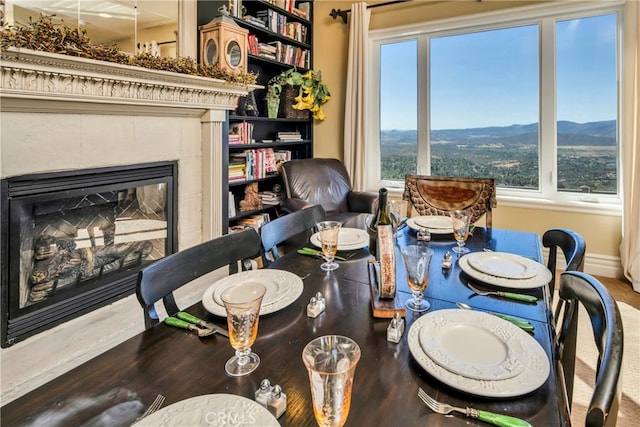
[(75, 240)]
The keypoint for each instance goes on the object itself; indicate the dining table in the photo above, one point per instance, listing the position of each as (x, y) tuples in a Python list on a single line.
[(180, 365)]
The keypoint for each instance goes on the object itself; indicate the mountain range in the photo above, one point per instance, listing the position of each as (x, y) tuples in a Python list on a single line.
[(601, 133)]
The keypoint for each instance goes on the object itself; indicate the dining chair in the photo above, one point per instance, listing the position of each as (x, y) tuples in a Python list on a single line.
[(438, 195), (573, 247), (580, 289), (326, 182), (158, 281), (296, 225)]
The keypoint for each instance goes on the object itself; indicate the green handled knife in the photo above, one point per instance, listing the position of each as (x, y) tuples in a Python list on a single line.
[(518, 321), (315, 252), (197, 321), (518, 297), (501, 420), (179, 323)]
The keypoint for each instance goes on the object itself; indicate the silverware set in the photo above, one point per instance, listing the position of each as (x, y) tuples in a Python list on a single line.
[(487, 417)]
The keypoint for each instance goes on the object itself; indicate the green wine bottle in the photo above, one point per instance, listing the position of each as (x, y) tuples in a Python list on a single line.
[(381, 217)]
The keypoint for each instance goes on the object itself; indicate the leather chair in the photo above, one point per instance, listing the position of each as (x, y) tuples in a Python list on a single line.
[(158, 281), (292, 230), (325, 182), (577, 288), (438, 195)]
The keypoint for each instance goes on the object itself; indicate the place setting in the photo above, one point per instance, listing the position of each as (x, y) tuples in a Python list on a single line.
[(505, 270), (506, 361)]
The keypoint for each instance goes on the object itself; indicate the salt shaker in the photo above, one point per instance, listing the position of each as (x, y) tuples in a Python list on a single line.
[(264, 392), (395, 328), (316, 305), (446, 260), (277, 403)]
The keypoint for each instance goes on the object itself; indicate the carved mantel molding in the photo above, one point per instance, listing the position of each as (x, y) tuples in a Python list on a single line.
[(70, 84)]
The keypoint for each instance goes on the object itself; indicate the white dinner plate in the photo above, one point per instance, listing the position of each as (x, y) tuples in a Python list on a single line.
[(283, 288), (349, 239), (504, 264), (541, 278), (211, 410), (436, 224), (535, 373), (497, 352)]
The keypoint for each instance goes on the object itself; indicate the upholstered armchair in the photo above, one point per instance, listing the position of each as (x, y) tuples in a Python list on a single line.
[(325, 182)]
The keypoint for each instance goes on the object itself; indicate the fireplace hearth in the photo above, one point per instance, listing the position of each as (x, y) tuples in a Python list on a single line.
[(74, 241)]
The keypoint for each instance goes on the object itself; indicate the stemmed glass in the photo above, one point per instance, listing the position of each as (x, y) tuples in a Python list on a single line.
[(242, 303), (331, 361), (417, 259), (460, 221), (329, 233)]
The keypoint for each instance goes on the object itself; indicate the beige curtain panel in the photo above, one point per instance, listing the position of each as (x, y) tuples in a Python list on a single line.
[(355, 97), (630, 245)]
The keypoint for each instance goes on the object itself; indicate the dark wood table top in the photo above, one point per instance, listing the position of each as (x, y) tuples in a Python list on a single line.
[(179, 365)]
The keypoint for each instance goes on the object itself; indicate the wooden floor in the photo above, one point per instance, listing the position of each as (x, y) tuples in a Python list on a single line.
[(621, 291)]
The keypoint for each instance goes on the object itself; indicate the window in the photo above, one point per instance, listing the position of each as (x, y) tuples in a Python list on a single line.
[(530, 101)]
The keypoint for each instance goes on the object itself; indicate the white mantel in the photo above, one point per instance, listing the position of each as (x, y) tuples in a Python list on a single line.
[(62, 113)]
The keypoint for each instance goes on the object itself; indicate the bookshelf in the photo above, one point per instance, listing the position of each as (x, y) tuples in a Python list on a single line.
[(280, 37)]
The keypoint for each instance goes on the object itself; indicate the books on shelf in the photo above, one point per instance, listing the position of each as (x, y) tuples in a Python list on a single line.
[(252, 164), (241, 133), (278, 23), (270, 198), (232, 205), (254, 221), (289, 136)]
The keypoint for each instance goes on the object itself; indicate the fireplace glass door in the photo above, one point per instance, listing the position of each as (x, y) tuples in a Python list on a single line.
[(77, 242)]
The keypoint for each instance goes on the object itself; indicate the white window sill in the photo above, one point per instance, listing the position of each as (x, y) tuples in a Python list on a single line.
[(526, 202)]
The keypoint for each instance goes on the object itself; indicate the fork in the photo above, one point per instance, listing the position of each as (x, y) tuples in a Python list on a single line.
[(487, 417), (510, 295), (157, 403)]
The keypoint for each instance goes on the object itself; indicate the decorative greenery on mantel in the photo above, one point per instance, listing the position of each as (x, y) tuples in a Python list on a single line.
[(42, 35)]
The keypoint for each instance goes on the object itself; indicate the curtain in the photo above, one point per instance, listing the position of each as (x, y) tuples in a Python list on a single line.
[(355, 96), (630, 245)]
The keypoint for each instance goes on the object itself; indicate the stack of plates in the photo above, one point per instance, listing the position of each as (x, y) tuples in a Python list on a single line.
[(505, 270), (478, 353), (434, 223), (349, 239), (283, 288)]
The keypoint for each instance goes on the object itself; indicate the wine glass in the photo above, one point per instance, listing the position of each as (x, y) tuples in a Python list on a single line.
[(417, 259), (242, 303), (460, 221), (329, 232), (331, 361)]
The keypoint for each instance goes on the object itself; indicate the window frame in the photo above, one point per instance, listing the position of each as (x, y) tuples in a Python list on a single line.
[(546, 196)]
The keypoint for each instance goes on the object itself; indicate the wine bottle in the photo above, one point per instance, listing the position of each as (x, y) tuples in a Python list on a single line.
[(381, 217)]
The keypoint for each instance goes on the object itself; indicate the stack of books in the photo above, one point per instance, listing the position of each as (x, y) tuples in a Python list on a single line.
[(237, 171), (270, 198), (257, 164), (254, 221), (289, 136)]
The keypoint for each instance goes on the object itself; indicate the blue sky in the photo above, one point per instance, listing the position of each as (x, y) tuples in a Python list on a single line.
[(491, 78)]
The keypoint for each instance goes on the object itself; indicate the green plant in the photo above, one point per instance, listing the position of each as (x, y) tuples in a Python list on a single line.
[(43, 35), (313, 93)]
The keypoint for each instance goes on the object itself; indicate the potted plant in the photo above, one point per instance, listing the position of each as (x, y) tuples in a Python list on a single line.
[(312, 92)]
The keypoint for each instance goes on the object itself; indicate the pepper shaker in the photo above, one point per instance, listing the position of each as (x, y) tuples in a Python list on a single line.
[(316, 305), (277, 403), (264, 392), (446, 260), (395, 328)]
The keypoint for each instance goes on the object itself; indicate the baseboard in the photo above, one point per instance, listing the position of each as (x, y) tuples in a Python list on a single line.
[(595, 264)]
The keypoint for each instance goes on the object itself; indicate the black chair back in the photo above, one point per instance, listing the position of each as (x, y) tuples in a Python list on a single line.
[(577, 288), (158, 281), (297, 224), (572, 246)]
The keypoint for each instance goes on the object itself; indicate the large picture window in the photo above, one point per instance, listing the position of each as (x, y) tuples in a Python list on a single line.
[(532, 102)]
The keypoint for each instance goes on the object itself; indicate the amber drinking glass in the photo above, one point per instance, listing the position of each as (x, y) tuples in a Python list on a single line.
[(460, 222), (329, 233), (242, 303), (417, 259)]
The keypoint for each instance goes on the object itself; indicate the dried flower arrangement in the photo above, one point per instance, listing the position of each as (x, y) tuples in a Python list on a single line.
[(45, 36)]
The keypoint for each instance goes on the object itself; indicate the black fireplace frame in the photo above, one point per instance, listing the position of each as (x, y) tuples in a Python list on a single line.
[(17, 323)]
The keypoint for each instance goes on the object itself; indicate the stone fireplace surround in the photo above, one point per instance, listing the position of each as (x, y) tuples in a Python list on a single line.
[(66, 113)]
